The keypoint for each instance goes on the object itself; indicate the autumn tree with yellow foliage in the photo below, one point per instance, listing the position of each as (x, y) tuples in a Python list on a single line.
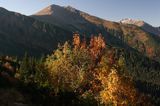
[(91, 69)]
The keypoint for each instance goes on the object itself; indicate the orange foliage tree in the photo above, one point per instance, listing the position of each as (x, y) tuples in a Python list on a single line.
[(90, 68)]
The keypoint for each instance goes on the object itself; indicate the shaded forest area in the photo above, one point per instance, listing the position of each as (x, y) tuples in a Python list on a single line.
[(82, 72)]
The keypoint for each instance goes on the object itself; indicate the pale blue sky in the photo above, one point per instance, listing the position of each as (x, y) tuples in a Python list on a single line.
[(115, 10)]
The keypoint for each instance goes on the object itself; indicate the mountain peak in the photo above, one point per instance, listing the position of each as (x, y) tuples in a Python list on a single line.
[(145, 26), (52, 9), (72, 9), (53, 6), (49, 10), (133, 22)]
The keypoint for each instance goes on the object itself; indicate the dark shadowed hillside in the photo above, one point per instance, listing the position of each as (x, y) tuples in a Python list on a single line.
[(20, 34), (75, 20)]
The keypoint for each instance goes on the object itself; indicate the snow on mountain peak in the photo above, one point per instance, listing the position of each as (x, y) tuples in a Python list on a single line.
[(132, 21)]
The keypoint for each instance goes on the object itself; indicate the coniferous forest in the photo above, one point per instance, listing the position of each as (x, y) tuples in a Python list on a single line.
[(81, 72), (62, 56)]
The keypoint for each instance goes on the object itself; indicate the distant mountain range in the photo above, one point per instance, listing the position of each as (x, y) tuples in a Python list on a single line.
[(136, 34), (145, 26), (41, 32)]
